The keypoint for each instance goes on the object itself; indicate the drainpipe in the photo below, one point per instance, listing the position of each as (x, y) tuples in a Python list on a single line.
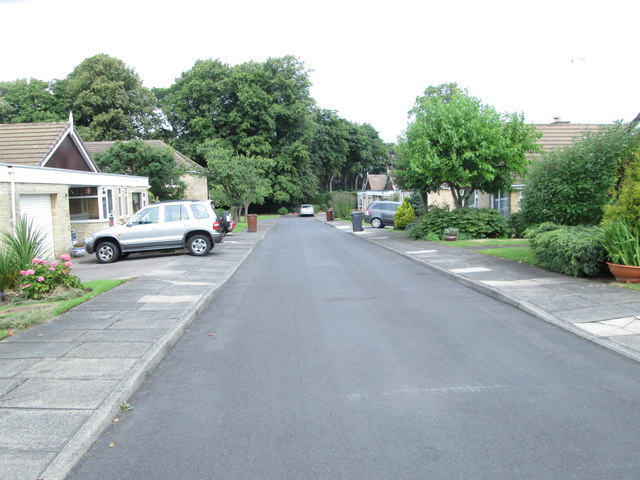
[(13, 198)]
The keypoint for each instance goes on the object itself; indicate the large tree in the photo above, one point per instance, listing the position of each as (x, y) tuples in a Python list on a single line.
[(237, 180), (259, 109), (29, 101), (330, 147), (453, 139), (108, 100), (138, 158)]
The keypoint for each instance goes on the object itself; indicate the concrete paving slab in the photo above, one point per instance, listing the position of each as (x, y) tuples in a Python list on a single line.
[(110, 350), (8, 384), (45, 333), (119, 335), (597, 314), (13, 367), (133, 323), (38, 430), (177, 298), (23, 465), (130, 304), (142, 315), (62, 394), (81, 368), (34, 350)]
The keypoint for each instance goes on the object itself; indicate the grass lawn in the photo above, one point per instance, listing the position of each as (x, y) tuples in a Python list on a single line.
[(517, 254), (20, 315), (487, 242)]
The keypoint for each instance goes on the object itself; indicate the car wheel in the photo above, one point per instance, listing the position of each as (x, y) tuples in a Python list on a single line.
[(198, 245), (107, 252), (377, 223)]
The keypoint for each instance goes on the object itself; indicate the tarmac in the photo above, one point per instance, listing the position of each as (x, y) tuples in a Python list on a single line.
[(62, 383)]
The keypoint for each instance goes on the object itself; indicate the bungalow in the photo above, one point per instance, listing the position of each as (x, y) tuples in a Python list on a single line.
[(378, 187), (193, 176), (555, 136), (47, 176)]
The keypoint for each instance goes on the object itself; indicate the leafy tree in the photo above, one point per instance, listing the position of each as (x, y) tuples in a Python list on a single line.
[(367, 154), (627, 205), (138, 158), (330, 147), (455, 140), (572, 186), (239, 178), (28, 101), (108, 100), (258, 109)]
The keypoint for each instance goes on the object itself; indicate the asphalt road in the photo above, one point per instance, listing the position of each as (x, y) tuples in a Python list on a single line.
[(327, 357)]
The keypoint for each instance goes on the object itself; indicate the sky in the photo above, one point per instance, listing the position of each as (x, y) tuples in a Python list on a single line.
[(368, 60)]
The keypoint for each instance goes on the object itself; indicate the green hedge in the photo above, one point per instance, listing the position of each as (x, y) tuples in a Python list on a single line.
[(570, 250), (470, 222)]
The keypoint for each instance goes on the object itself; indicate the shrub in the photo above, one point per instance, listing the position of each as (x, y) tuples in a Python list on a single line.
[(572, 186), (570, 250), (404, 215), (343, 204), (43, 277), (517, 225), (627, 205), (473, 222), (283, 211)]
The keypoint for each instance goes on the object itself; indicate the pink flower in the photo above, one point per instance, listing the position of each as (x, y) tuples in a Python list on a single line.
[(23, 272), (68, 264), (25, 286), (38, 260), (65, 257), (52, 269), (41, 278), (53, 264), (30, 272)]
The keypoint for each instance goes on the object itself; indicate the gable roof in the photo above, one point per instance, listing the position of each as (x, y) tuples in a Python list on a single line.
[(189, 165), (34, 144), (558, 135), (378, 182)]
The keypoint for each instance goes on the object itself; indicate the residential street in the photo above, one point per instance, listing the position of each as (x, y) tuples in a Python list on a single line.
[(328, 357)]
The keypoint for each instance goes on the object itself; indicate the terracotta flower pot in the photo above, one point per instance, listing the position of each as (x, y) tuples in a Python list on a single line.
[(625, 273)]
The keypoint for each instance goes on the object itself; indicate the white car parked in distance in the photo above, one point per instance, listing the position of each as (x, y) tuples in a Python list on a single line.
[(306, 210)]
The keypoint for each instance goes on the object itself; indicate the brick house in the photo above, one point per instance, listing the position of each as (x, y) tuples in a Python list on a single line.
[(47, 175)]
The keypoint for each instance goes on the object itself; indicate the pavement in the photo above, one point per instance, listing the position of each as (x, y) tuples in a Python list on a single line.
[(62, 383)]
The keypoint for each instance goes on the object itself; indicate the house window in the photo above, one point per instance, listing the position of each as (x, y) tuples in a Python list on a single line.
[(107, 202), (472, 201), (136, 201), (83, 203), (501, 202)]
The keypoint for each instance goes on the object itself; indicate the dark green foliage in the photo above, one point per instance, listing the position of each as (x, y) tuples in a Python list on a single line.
[(570, 250), (473, 222), (17, 249), (404, 215), (138, 158), (108, 100), (283, 211), (29, 101), (572, 186), (517, 225)]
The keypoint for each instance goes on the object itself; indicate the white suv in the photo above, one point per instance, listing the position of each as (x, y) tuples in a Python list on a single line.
[(191, 224)]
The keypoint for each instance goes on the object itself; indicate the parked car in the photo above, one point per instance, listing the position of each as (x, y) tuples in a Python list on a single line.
[(306, 210), (169, 225), (381, 213)]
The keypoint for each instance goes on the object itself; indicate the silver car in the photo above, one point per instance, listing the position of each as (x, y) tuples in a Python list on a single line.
[(306, 210), (190, 224), (381, 213)]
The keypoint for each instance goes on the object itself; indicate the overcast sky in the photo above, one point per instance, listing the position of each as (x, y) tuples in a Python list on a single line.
[(369, 59)]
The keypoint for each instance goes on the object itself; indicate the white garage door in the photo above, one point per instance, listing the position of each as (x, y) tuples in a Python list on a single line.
[(37, 208)]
